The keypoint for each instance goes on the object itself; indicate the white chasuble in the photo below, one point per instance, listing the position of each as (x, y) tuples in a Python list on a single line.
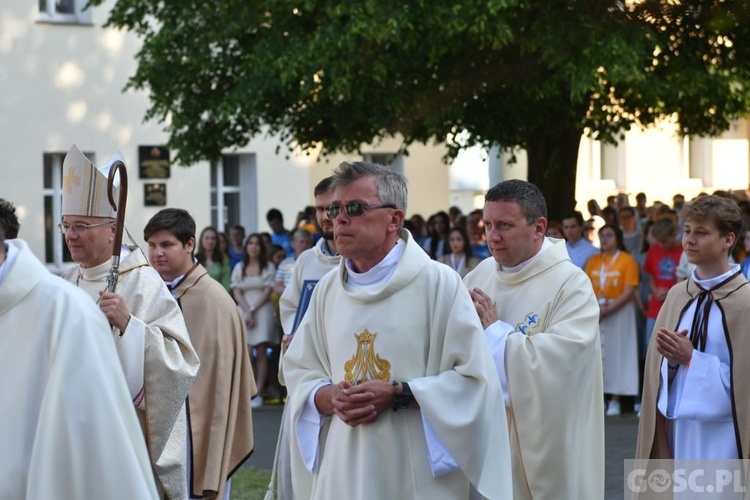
[(553, 365), (421, 328), (67, 425)]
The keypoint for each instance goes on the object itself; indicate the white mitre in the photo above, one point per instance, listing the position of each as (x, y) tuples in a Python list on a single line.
[(85, 186)]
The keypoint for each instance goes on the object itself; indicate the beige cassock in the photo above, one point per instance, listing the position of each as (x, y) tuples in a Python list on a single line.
[(733, 298), (221, 423)]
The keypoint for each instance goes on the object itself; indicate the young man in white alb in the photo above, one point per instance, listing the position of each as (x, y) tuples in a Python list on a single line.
[(697, 380)]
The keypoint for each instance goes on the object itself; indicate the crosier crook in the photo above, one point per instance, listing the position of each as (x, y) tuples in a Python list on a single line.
[(119, 207)]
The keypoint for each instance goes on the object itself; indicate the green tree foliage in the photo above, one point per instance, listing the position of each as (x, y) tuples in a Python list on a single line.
[(534, 74)]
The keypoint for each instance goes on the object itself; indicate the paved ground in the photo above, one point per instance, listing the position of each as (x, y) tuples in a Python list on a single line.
[(620, 435), (620, 445)]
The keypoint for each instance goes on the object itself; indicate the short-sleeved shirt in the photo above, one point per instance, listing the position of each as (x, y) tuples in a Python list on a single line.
[(285, 271), (284, 240), (618, 272), (480, 250), (581, 251), (662, 266)]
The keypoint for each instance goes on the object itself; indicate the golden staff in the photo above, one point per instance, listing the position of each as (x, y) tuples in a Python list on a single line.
[(119, 207)]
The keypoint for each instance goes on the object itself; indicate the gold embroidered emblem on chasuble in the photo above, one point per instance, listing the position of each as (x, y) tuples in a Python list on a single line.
[(366, 364)]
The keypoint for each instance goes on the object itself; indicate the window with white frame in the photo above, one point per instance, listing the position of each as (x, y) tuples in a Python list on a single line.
[(696, 156), (608, 163), (234, 197), (55, 250), (225, 192), (64, 11)]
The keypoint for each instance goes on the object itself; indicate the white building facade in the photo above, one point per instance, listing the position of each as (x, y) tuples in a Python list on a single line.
[(62, 76)]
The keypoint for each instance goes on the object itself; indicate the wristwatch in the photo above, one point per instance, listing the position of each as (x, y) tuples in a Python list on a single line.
[(402, 401)]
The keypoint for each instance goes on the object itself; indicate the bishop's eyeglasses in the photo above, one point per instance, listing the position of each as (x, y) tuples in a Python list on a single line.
[(79, 227), (354, 209)]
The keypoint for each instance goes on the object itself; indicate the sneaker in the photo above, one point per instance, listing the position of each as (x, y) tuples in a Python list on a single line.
[(256, 402), (613, 408)]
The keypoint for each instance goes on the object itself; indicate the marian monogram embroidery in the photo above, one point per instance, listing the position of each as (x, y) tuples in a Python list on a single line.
[(366, 364), (531, 321)]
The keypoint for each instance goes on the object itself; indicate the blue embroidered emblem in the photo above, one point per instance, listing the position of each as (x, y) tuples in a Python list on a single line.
[(531, 320)]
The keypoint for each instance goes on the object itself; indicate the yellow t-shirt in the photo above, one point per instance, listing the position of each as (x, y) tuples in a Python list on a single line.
[(618, 271)]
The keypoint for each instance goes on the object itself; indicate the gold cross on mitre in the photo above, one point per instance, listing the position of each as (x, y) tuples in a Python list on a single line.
[(71, 180)]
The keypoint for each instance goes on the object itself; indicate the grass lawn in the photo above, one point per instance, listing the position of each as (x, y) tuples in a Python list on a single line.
[(250, 484)]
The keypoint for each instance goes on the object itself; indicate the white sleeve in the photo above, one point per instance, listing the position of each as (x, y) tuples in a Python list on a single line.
[(496, 335), (131, 346), (308, 431), (700, 391), (236, 276), (441, 460), (288, 303)]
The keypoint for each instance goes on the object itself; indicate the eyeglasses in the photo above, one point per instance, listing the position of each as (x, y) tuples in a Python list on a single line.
[(354, 209), (79, 227)]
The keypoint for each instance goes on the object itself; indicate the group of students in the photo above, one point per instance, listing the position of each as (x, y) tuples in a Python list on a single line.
[(631, 269), (255, 271)]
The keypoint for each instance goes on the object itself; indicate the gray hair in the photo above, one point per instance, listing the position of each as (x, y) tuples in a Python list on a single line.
[(526, 195), (390, 185), (301, 234)]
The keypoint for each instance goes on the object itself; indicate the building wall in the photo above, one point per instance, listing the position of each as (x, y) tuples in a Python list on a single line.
[(62, 85), (661, 164)]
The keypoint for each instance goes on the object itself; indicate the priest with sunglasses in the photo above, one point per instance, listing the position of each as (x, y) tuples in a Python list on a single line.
[(392, 389)]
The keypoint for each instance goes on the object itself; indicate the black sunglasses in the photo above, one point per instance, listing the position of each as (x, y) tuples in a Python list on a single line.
[(353, 209)]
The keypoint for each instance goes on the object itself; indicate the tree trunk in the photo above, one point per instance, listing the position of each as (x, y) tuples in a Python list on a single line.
[(552, 160)]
